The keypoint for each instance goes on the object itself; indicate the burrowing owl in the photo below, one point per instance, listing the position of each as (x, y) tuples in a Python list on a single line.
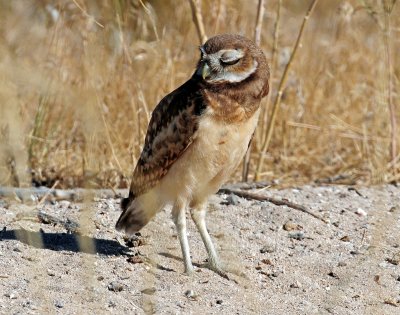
[(196, 138)]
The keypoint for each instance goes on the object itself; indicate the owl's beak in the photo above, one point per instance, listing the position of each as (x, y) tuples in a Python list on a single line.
[(205, 71)]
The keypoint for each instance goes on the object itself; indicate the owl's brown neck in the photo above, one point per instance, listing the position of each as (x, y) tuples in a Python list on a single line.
[(233, 103), (231, 107)]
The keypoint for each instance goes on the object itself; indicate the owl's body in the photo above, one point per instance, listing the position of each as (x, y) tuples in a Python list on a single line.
[(197, 137)]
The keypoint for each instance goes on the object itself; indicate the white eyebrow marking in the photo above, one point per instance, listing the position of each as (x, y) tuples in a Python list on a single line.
[(236, 77)]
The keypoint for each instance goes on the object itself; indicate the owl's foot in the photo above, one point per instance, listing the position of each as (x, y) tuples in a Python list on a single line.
[(216, 267), (189, 270)]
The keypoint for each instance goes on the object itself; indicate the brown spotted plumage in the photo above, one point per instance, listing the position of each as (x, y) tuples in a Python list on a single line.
[(196, 138)]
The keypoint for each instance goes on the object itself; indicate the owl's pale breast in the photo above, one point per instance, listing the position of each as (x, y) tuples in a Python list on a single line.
[(209, 161)]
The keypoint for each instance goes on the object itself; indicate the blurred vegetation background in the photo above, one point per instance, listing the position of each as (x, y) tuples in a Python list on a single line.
[(79, 79)]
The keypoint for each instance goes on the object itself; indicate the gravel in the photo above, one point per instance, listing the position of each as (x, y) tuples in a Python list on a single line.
[(280, 260)]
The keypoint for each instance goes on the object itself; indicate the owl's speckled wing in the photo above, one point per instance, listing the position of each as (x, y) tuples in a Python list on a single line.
[(170, 132)]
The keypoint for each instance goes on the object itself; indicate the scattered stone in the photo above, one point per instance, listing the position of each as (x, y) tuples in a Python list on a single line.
[(12, 295), (377, 279), (394, 261), (51, 273), (296, 285), (383, 264), (133, 241), (191, 295), (269, 262), (180, 305), (267, 249), (398, 278), (116, 286), (112, 304), (333, 275), (233, 200), (64, 204), (219, 302), (360, 212), (345, 238), (17, 249), (3, 204), (393, 209), (59, 304), (135, 259), (392, 301), (100, 278), (149, 291), (110, 205), (297, 235), (291, 226), (27, 304)]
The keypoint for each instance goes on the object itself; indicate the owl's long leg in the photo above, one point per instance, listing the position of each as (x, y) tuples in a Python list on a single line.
[(199, 217), (179, 218)]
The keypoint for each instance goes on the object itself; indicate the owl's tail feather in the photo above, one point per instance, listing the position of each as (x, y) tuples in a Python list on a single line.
[(137, 212)]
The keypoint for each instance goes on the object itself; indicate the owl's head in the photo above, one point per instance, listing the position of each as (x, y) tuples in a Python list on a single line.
[(231, 59)]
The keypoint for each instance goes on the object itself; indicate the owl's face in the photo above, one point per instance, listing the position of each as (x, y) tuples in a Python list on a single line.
[(229, 59)]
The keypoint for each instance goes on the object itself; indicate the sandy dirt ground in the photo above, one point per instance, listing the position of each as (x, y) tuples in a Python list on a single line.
[(281, 260)]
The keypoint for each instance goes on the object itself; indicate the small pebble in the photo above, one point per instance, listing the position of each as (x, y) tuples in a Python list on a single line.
[(291, 226), (383, 264), (269, 262), (59, 304), (135, 260), (149, 291), (393, 209), (12, 295), (133, 241), (345, 238), (116, 286), (267, 249), (50, 273), (64, 203), (190, 295), (297, 235), (296, 285), (233, 200), (219, 302), (333, 275), (342, 264), (392, 301), (360, 212), (393, 261)]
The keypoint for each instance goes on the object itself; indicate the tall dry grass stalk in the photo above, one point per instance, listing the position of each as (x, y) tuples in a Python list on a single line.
[(195, 6), (79, 79), (257, 40), (277, 103)]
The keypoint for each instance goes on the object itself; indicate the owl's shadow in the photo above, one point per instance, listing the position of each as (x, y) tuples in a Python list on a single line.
[(65, 242)]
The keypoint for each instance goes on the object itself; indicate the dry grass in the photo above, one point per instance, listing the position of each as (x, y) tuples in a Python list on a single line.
[(79, 78)]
